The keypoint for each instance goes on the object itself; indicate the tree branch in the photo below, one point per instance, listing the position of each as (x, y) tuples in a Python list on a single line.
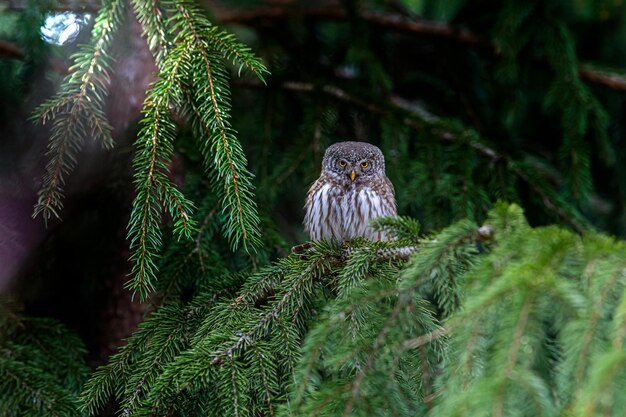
[(394, 22), (10, 50), (611, 80), (89, 6), (387, 21)]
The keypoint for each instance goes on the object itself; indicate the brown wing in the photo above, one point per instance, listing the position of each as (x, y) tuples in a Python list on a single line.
[(311, 222), (388, 194)]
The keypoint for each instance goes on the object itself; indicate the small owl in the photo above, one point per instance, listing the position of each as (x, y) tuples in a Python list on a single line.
[(351, 190)]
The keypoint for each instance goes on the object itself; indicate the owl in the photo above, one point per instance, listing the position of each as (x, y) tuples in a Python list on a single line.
[(351, 190)]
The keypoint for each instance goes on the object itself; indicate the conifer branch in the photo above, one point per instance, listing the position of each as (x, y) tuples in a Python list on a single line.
[(382, 20), (243, 351), (153, 363), (591, 328), (612, 80), (517, 338), (41, 366), (426, 338), (227, 153), (78, 110), (43, 393), (619, 331), (304, 279), (92, 6), (224, 155), (550, 199), (153, 21), (355, 385), (154, 188)]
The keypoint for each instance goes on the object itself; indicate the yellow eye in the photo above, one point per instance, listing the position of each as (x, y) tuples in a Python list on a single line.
[(365, 164), (342, 163)]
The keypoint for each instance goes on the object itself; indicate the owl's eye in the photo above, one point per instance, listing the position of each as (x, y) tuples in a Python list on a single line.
[(342, 163), (365, 164)]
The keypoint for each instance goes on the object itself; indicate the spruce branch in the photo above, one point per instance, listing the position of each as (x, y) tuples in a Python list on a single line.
[(579, 111), (131, 372), (619, 329), (153, 19), (552, 200), (355, 385), (42, 366), (335, 327), (175, 36), (77, 111), (591, 328), (610, 79), (394, 315), (222, 152), (155, 190), (92, 6), (36, 393), (511, 361), (238, 53), (169, 344), (602, 393)]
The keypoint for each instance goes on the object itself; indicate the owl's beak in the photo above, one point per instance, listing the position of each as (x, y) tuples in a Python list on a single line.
[(352, 175)]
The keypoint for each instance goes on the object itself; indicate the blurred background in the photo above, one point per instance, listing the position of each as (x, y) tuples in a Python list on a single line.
[(472, 101)]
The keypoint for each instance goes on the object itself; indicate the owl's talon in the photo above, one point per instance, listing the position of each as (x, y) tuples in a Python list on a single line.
[(302, 248)]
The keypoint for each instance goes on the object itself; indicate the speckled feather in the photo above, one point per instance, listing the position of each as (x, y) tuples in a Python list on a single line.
[(341, 209)]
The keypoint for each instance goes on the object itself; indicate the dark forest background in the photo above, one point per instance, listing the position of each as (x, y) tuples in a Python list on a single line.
[(471, 101)]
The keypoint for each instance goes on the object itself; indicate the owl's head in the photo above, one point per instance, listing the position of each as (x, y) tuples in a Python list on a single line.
[(354, 161)]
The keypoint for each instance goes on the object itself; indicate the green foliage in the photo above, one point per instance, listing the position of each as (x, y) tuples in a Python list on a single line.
[(488, 102), (539, 317), (42, 366), (193, 81), (582, 117), (501, 319), (16, 27), (77, 110)]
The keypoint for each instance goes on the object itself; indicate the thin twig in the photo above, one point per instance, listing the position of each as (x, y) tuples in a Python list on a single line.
[(425, 338)]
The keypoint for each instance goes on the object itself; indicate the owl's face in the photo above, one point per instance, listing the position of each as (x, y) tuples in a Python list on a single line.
[(353, 162)]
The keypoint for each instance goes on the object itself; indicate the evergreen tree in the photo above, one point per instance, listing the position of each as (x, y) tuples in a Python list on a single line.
[(480, 307)]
